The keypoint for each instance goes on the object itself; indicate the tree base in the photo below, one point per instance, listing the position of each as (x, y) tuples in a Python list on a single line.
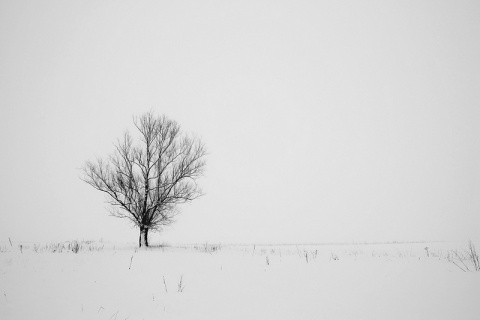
[(143, 239)]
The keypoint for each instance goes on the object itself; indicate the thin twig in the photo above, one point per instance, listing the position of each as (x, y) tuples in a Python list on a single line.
[(458, 266), (165, 284), (115, 314), (181, 286), (461, 260)]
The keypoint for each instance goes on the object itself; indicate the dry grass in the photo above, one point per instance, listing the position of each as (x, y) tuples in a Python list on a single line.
[(59, 247)]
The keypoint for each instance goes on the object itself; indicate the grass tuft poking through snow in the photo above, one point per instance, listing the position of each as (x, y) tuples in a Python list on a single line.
[(463, 260), (181, 285), (472, 253)]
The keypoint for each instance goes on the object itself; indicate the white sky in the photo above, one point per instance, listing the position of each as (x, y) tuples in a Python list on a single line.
[(324, 120)]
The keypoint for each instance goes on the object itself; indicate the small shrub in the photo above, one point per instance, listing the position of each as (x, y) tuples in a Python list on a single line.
[(209, 248), (74, 247)]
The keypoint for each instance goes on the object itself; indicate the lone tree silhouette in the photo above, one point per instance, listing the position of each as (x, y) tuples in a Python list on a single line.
[(144, 181)]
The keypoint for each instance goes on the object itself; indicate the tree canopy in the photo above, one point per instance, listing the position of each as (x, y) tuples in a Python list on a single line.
[(145, 180)]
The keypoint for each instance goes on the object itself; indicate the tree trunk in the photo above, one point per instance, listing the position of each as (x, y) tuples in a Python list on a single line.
[(143, 239)]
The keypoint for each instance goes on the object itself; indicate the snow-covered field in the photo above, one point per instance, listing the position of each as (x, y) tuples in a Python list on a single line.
[(355, 281)]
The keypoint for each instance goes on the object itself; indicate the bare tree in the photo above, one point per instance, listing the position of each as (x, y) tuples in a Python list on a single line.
[(145, 181)]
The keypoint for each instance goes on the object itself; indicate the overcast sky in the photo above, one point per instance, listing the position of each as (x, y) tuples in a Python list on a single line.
[(324, 120)]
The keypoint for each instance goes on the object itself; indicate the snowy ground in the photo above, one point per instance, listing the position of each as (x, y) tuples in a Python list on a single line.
[(380, 281)]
